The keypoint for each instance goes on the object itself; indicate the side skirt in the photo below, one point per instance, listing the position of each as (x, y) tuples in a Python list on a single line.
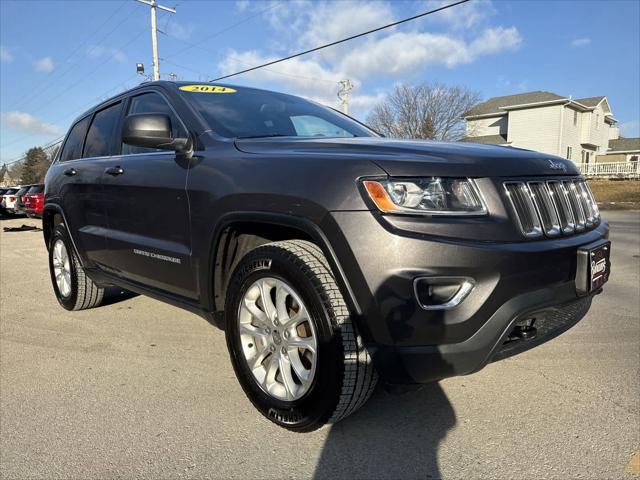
[(105, 279)]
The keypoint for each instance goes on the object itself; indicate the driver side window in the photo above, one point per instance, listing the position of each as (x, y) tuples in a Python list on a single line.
[(151, 103)]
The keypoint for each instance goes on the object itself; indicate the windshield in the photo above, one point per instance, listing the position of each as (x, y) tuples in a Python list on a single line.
[(249, 113)]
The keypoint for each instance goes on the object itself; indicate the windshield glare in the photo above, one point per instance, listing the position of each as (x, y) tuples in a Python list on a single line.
[(249, 113)]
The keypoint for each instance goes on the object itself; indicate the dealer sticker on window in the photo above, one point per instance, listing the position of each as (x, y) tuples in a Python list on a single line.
[(207, 89)]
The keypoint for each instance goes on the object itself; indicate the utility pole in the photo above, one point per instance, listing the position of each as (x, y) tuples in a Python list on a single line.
[(154, 33), (343, 95)]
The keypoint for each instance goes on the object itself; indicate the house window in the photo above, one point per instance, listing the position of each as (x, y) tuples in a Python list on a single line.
[(575, 117), (569, 152), (586, 156)]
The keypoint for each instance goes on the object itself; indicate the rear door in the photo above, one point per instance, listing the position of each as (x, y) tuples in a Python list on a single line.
[(149, 237), (84, 158)]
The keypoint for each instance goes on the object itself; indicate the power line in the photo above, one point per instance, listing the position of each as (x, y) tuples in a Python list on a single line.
[(30, 96), (52, 144), (242, 63), (80, 80), (220, 32), (75, 113), (352, 37)]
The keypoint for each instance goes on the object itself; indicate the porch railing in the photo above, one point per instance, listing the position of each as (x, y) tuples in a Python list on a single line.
[(614, 169)]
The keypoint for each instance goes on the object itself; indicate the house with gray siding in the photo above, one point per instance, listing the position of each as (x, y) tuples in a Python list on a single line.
[(576, 129)]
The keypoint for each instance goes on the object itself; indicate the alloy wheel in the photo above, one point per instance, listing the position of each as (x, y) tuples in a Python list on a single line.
[(62, 268), (278, 338)]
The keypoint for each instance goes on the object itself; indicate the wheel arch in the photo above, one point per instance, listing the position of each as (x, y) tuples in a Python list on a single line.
[(52, 215), (259, 228)]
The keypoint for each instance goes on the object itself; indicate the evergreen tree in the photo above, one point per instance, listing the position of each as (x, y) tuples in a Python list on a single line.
[(32, 166)]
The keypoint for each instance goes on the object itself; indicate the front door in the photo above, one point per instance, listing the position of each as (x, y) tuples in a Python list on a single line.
[(148, 234)]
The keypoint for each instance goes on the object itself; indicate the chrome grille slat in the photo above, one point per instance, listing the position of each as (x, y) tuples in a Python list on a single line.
[(520, 198), (576, 205), (552, 207), (583, 193), (545, 208), (563, 207)]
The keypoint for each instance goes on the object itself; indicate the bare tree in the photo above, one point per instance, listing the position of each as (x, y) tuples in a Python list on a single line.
[(432, 111)]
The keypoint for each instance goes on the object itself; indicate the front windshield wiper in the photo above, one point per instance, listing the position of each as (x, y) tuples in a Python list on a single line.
[(269, 135)]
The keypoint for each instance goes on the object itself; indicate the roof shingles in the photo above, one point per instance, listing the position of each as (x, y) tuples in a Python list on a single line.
[(624, 145), (494, 105)]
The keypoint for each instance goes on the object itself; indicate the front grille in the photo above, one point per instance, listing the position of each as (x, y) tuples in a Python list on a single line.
[(552, 207)]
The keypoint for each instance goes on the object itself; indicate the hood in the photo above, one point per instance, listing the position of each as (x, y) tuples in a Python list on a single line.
[(419, 157)]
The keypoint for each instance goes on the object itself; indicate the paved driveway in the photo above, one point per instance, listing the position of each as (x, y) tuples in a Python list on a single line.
[(141, 389)]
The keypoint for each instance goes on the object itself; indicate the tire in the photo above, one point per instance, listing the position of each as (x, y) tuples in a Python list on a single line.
[(343, 374), (81, 292)]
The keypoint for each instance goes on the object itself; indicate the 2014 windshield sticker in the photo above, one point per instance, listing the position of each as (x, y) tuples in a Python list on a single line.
[(207, 89)]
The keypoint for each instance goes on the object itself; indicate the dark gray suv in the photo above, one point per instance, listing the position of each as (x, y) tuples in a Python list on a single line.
[(331, 256)]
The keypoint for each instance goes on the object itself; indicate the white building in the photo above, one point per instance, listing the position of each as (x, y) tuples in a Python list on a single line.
[(577, 129)]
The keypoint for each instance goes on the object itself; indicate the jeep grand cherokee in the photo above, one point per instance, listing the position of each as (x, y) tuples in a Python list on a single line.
[(331, 256)]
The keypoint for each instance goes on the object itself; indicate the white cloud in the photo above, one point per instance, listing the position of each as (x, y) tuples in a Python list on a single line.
[(581, 42), (179, 30), (391, 55), (98, 51), (44, 64), (461, 17), (26, 122), (5, 55), (242, 5), (496, 40)]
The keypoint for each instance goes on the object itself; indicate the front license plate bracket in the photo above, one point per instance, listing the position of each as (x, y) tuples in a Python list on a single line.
[(594, 266)]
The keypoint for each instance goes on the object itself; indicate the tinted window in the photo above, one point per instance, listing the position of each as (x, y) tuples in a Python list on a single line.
[(100, 135), (36, 189), (73, 146), (246, 112), (152, 103), (11, 191)]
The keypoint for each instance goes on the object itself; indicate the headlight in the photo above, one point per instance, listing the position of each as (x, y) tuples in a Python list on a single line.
[(431, 196)]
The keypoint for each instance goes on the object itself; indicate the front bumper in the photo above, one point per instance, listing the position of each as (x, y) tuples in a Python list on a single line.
[(513, 281)]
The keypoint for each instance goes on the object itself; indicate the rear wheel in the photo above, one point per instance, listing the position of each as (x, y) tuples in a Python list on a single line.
[(293, 345), (73, 289)]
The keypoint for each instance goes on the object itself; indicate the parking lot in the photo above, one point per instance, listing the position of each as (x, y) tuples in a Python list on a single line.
[(140, 389)]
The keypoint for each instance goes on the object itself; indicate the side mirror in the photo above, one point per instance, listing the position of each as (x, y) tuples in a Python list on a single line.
[(152, 130)]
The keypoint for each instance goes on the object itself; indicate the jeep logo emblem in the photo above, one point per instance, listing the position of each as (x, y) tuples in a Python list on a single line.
[(557, 165)]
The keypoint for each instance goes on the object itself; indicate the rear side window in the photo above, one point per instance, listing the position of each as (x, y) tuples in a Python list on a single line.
[(72, 149), (100, 136), (152, 103)]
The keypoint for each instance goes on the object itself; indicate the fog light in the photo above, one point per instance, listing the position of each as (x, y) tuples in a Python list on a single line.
[(441, 293)]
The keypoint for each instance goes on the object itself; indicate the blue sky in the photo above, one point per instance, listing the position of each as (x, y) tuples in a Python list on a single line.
[(57, 58)]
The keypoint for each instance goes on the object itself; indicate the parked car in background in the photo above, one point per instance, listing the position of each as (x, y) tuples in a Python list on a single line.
[(9, 200), (18, 208), (2, 192), (34, 201)]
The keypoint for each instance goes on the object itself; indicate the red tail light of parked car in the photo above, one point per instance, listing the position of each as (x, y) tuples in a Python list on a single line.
[(34, 201)]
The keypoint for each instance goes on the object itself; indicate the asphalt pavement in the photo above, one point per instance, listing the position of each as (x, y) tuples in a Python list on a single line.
[(140, 389)]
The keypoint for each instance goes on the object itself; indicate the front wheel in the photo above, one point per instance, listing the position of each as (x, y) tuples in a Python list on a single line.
[(72, 287), (293, 345)]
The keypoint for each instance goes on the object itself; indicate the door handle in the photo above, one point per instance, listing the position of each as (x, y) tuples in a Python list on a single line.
[(115, 171), (70, 172)]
